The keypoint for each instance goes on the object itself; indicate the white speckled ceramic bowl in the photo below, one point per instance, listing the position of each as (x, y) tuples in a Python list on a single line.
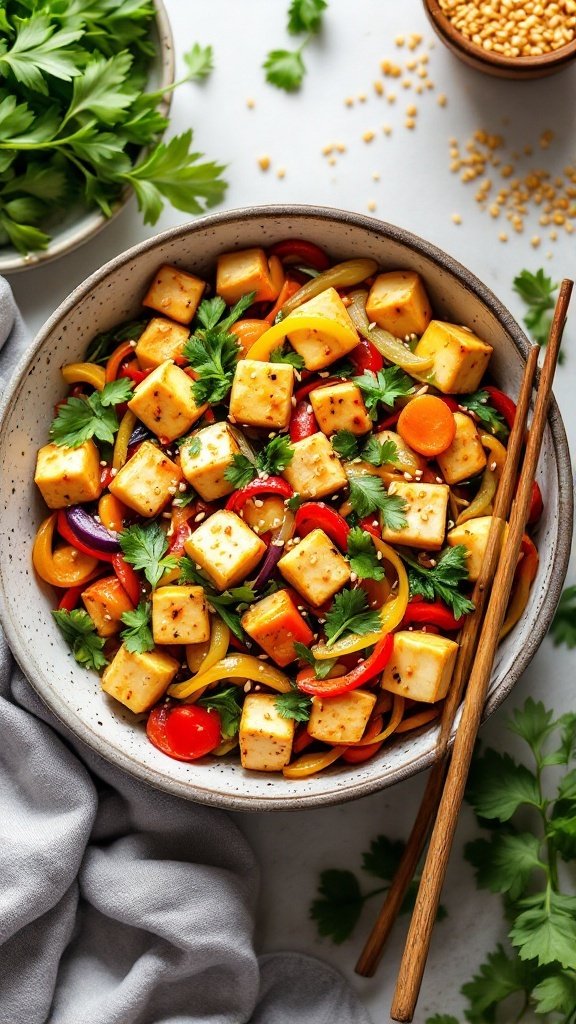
[(113, 294), (79, 224)]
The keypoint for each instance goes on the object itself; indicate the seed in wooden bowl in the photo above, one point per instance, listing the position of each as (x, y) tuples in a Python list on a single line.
[(514, 28)]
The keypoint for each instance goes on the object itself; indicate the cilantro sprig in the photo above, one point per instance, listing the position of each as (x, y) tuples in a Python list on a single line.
[(285, 68), (368, 494), (145, 548), (350, 613), (137, 637), (537, 291), (489, 418), (212, 350), (377, 453), (272, 459), (227, 604), (287, 355), (227, 704), (79, 419), (384, 387), (443, 580), (294, 704), (80, 634), (322, 668), (363, 555)]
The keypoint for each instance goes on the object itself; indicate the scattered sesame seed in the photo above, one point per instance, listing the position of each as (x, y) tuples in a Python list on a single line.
[(456, 218), (371, 205), (264, 163), (442, 99), (368, 136)]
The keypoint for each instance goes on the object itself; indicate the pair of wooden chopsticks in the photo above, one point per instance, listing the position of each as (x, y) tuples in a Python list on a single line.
[(440, 806)]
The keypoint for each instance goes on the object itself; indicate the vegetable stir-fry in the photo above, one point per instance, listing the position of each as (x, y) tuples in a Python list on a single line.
[(270, 498)]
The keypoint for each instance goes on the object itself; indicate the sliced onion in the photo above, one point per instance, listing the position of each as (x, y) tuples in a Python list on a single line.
[(89, 532), (140, 433), (343, 275), (386, 344), (275, 550), (243, 443)]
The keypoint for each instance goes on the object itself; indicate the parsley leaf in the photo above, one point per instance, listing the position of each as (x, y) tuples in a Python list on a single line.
[(226, 703), (380, 453), (498, 978), (384, 387), (556, 993), (226, 604), (285, 69), (241, 471), (563, 628), (79, 419), (321, 668), (498, 786), (285, 355), (345, 444), (102, 344), (199, 61), (443, 580), (144, 547), (363, 555), (272, 459), (294, 705), (490, 419), (138, 637), (305, 16), (537, 292), (368, 494), (213, 351), (350, 613), (546, 929), (80, 634), (505, 863)]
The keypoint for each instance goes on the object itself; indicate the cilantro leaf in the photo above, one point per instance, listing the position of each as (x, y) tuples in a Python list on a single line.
[(533, 723), (79, 419), (200, 62), (384, 387), (363, 555), (339, 906), (498, 978), (276, 456), (321, 668), (226, 703), (368, 494), (350, 613), (226, 604), (563, 628), (556, 993), (294, 704), (443, 580), (102, 344), (505, 863), (190, 575), (345, 444), (80, 634), (144, 547), (284, 355), (537, 292), (498, 786), (241, 471), (380, 453), (138, 637), (489, 418), (546, 929), (285, 69), (213, 351), (305, 16)]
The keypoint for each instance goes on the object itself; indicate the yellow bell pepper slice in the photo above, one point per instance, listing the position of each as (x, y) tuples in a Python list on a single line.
[(84, 373), (496, 449), (125, 429), (235, 667), (64, 567), (309, 764), (482, 501), (395, 720), (211, 652), (262, 348)]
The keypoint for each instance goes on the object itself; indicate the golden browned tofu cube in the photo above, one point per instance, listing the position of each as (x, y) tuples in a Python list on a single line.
[(139, 680), (239, 273), (262, 394), (341, 719), (421, 666), (68, 476), (315, 469), (205, 470), (474, 536), (320, 348), (426, 506), (147, 481), (340, 407), (175, 293), (459, 357), (276, 624), (106, 601), (265, 737), (315, 568), (160, 340), (398, 302), (180, 615), (225, 548), (164, 402), (465, 457)]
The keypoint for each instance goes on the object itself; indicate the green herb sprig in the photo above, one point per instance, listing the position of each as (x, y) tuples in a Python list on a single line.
[(137, 637), (79, 419), (285, 68), (350, 613), (212, 350), (80, 634), (145, 548), (443, 580), (489, 418), (272, 459)]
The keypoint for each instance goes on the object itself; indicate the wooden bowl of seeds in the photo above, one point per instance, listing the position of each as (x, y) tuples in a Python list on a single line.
[(519, 39)]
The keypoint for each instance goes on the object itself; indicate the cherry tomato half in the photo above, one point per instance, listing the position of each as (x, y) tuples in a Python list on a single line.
[(183, 731)]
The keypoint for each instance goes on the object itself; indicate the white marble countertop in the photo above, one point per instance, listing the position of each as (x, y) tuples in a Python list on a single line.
[(415, 190)]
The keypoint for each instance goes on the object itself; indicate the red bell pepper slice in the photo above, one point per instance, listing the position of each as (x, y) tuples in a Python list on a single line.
[(536, 505), (389, 422), (430, 613), (288, 289), (128, 578), (371, 525), (306, 680), (303, 422), (312, 385), (450, 402), (317, 515), (273, 485), (66, 531), (297, 250), (69, 599), (132, 371), (502, 403), (366, 357)]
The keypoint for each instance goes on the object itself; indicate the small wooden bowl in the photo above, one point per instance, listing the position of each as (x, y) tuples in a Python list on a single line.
[(518, 68)]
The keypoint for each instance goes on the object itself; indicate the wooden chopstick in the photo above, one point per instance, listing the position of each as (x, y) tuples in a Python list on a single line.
[(422, 921), (374, 947)]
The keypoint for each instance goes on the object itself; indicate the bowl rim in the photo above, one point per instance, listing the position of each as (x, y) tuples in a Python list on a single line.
[(419, 246), (517, 66), (94, 222)]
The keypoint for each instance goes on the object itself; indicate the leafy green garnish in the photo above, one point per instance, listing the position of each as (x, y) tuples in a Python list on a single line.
[(321, 668), (212, 350), (199, 61), (294, 705), (479, 403), (138, 637), (377, 453), (227, 603), (145, 548), (226, 703), (192, 444), (287, 355), (563, 628), (384, 387), (305, 16), (272, 459), (80, 634), (368, 494), (345, 444), (443, 580), (79, 419), (102, 344), (537, 292), (350, 613), (363, 555), (241, 471), (285, 68)]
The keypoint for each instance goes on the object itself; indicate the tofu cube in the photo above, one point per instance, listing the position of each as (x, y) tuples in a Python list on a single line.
[(318, 348), (465, 457), (474, 536), (225, 548), (148, 481), (341, 719), (175, 293), (139, 680), (164, 402), (265, 737), (205, 471), (262, 394), (239, 273), (180, 615), (340, 407), (160, 340), (421, 666), (460, 357), (315, 568), (315, 469), (408, 460), (398, 302), (425, 512), (106, 601), (275, 624), (68, 476)]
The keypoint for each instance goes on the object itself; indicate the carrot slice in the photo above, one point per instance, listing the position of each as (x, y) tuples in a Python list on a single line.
[(427, 425), (248, 332)]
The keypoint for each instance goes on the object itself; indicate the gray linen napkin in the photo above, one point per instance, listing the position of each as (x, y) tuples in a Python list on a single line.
[(119, 904)]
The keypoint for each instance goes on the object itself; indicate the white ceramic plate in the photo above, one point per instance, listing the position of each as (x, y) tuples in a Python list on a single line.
[(113, 294)]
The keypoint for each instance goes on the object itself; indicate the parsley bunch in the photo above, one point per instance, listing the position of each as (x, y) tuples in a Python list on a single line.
[(285, 68), (213, 351), (76, 123)]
